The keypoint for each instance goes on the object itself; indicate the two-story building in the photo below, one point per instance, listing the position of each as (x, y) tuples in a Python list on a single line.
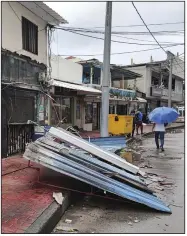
[(26, 41), (154, 82), (122, 100)]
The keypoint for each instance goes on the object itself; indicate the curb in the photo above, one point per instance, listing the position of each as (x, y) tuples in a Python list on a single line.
[(46, 222), (150, 133)]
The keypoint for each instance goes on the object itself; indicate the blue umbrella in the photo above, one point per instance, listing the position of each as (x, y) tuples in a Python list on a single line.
[(161, 115)]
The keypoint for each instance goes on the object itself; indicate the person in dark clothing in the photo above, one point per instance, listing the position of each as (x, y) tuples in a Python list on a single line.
[(139, 123), (134, 122)]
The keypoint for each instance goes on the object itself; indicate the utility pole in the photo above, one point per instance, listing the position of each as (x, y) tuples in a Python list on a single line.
[(106, 71), (170, 59)]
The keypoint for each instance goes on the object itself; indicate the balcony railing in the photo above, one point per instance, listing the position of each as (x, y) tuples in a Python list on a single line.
[(174, 96), (163, 93)]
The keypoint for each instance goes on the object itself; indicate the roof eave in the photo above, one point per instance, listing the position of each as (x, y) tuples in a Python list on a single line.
[(44, 12)]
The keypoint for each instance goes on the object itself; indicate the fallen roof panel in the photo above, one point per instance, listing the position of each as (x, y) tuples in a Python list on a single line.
[(101, 166), (65, 136), (62, 164), (109, 143)]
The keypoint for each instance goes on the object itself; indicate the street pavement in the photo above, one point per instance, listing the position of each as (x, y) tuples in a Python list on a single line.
[(98, 215)]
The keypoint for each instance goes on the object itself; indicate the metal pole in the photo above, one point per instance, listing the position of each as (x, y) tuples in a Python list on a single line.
[(170, 59), (49, 111), (106, 71)]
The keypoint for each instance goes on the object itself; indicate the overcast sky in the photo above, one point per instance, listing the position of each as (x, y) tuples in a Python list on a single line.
[(92, 14)]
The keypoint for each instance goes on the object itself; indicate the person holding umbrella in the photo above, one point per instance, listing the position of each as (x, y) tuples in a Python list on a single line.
[(159, 133), (161, 116)]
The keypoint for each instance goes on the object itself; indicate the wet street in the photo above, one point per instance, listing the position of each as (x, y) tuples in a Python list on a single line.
[(98, 215)]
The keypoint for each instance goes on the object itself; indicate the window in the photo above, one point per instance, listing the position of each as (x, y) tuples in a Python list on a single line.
[(86, 75), (96, 75), (29, 36), (173, 84), (61, 110)]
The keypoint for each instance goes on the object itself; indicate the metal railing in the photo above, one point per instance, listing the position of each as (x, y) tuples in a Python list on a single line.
[(18, 136)]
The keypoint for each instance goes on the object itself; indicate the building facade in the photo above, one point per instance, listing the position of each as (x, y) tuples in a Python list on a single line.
[(155, 79), (25, 30), (122, 100)]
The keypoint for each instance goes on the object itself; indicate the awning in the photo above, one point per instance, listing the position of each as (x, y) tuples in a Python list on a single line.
[(141, 100), (74, 86)]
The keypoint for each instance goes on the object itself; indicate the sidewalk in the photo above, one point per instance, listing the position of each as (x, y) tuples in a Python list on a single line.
[(146, 129), (23, 200)]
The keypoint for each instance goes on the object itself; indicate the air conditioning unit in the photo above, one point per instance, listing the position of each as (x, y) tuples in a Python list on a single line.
[(41, 77)]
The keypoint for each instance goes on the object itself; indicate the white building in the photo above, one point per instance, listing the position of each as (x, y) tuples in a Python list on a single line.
[(26, 31), (69, 94), (154, 81), (19, 19)]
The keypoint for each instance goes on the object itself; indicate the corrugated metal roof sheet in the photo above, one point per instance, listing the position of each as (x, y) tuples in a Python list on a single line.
[(74, 87), (78, 170), (109, 143), (67, 137)]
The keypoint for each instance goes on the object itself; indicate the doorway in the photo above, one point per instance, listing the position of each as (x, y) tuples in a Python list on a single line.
[(96, 116)]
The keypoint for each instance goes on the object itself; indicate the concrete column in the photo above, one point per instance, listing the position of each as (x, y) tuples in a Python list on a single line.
[(82, 110), (115, 109), (74, 110), (122, 82), (91, 75)]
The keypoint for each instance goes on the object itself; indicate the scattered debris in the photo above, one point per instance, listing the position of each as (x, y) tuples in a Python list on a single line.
[(58, 198), (136, 221), (68, 221), (130, 223), (65, 229), (174, 205), (146, 166), (166, 183)]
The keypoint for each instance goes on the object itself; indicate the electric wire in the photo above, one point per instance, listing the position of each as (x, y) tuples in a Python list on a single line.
[(117, 53), (147, 27), (115, 41), (150, 31), (154, 24)]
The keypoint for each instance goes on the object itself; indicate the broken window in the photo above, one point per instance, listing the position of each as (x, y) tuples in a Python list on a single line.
[(86, 75), (29, 36)]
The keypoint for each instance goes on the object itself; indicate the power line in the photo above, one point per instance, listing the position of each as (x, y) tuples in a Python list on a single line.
[(175, 32), (151, 41), (115, 41), (121, 26), (19, 18), (147, 27), (117, 53), (151, 32), (14, 12)]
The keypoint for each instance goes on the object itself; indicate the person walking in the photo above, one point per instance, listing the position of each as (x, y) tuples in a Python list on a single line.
[(134, 122), (139, 123), (159, 133)]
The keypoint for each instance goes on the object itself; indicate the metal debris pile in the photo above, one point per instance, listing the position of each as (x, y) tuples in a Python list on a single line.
[(89, 163)]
